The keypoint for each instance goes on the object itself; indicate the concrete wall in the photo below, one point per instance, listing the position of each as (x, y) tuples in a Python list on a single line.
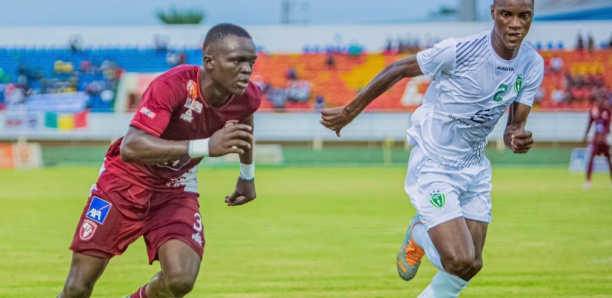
[(548, 127)]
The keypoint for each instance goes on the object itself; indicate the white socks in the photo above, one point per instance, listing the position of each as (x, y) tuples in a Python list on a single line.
[(422, 239), (444, 285)]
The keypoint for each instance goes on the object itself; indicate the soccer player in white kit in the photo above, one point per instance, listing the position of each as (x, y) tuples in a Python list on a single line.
[(476, 79)]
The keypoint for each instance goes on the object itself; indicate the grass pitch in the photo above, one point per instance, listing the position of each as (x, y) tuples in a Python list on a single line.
[(322, 232)]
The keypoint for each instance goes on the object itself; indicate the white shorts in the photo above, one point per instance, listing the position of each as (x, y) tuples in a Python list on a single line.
[(440, 193)]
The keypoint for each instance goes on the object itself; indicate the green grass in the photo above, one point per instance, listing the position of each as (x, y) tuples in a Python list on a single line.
[(322, 232)]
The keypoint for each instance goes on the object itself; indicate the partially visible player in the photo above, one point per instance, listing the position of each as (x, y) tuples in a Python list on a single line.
[(477, 78), (600, 115), (148, 183)]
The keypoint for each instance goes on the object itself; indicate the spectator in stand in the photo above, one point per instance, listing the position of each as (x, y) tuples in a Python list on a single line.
[(610, 42), (319, 105), (330, 61), (580, 42), (591, 43), (173, 59), (75, 43), (292, 74), (160, 44), (558, 96), (355, 50), (389, 44), (556, 64)]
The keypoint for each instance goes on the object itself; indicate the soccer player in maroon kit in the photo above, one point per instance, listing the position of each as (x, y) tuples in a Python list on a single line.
[(147, 185), (600, 115)]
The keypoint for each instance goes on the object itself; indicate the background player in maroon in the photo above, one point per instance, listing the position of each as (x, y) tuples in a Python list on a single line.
[(147, 185), (600, 115)]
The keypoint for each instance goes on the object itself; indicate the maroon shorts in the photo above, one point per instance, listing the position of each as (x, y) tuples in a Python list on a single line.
[(118, 212), (600, 148)]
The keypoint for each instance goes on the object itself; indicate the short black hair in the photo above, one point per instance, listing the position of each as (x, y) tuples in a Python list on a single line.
[(218, 32), (495, 2)]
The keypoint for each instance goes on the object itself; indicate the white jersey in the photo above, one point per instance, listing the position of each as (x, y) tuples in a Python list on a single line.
[(471, 90)]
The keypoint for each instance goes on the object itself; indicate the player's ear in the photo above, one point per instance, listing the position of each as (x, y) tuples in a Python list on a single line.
[(493, 11), (208, 62)]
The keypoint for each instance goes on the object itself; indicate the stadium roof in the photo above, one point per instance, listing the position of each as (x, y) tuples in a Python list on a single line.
[(570, 10)]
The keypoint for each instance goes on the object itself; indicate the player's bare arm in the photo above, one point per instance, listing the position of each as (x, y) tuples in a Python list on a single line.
[(245, 188), (140, 147), (586, 133), (516, 137), (337, 118)]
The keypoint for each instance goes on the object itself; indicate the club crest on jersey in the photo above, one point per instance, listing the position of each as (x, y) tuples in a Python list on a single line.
[(518, 85), (192, 89), (437, 199), (98, 210), (88, 228)]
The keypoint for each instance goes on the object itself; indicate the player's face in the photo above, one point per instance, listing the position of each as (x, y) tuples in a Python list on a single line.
[(233, 63), (512, 21)]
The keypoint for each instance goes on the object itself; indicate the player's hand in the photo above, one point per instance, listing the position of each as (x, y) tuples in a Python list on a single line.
[(521, 141), (230, 139), (336, 119), (244, 193)]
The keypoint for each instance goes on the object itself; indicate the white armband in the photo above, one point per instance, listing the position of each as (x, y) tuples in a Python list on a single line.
[(247, 172), (198, 148)]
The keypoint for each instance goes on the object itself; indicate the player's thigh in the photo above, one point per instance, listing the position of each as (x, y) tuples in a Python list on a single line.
[(176, 217), (478, 232), (85, 270), (180, 264), (453, 241)]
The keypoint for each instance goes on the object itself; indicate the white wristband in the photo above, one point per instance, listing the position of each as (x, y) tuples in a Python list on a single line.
[(247, 172), (198, 148)]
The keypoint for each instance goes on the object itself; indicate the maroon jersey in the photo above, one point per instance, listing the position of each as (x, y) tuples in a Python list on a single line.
[(173, 108), (601, 119)]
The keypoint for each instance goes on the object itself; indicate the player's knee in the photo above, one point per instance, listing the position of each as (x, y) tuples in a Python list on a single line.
[(458, 265), (477, 266), (76, 290), (179, 284)]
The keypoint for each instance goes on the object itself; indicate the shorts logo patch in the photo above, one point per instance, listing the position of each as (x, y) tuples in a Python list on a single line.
[(88, 228), (437, 199), (98, 209)]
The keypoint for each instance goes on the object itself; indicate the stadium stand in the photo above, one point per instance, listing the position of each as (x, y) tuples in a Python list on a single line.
[(572, 80)]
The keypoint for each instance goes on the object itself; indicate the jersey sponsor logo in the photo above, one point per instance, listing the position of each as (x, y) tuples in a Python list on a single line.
[(98, 210), (147, 112), (88, 228), (500, 90), (518, 85), (187, 116), (505, 68), (437, 199), (193, 104)]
